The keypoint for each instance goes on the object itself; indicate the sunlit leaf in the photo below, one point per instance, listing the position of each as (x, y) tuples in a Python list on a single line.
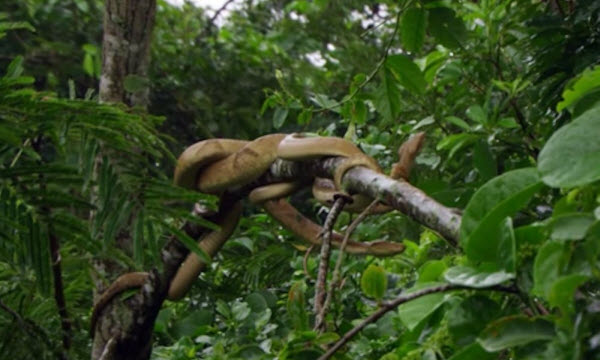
[(571, 156)]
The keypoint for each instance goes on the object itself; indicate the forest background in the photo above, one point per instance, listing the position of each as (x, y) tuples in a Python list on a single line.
[(507, 92)]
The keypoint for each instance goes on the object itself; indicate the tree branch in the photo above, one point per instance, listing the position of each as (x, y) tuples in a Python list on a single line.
[(320, 286), (399, 194), (335, 278), (385, 307)]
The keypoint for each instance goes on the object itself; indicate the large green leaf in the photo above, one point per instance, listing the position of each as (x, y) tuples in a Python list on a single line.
[(407, 73), (467, 318), (588, 81), (548, 266), (412, 29), (562, 292), (488, 208), (387, 100), (413, 312), (571, 157), (468, 276), (513, 331), (484, 160), (446, 27), (571, 226)]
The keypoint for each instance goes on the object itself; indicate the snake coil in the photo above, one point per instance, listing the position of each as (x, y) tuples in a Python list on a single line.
[(218, 165)]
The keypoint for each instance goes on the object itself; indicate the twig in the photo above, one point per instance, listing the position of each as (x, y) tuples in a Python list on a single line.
[(336, 272), (372, 74), (305, 261), (337, 207), (213, 18), (388, 306)]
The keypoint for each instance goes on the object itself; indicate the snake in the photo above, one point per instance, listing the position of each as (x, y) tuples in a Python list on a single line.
[(215, 166)]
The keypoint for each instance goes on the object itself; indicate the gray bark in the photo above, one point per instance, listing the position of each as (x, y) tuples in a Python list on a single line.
[(128, 28)]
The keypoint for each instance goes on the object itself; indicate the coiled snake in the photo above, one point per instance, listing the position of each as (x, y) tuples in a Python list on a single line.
[(215, 166)]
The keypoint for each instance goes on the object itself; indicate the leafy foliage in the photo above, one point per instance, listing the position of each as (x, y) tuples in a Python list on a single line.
[(507, 92)]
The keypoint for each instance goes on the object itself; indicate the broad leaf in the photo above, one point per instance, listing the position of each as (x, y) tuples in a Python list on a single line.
[(412, 29), (488, 208), (513, 331), (413, 312), (588, 81), (469, 317), (446, 27), (570, 226), (571, 157), (562, 292), (387, 101), (548, 266), (484, 160), (373, 282), (467, 276), (407, 73), (279, 116)]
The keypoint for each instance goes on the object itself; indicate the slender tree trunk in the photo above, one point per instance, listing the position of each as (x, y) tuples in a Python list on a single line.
[(128, 28)]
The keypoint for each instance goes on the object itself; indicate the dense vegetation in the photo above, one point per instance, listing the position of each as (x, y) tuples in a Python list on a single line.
[(508, 93)]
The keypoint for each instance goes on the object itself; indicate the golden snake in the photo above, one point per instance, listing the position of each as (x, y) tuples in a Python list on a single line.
[(218, 165)]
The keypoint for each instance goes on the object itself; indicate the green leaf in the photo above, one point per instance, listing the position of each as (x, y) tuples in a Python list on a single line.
[(387, 100), (458, 122), (477, 114), (240, 310), (548, 266), (358, 112), (446, 27), (473, 352), (296, 307), (431, 271), (413, 312), (327, 338), (412, 29), (192, 323), (407, 73), (134, 83), (572, 226), (530, 234), (15, 68), (585, 83), (562, 292), (456, 142), (488, 208), (571, 157), (279, 116), (373, 282), (513, 331), (484, 160), (468, 276), (256, 302), (469, 317), (88, 64)]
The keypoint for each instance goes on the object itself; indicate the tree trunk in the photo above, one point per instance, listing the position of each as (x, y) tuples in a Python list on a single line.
[(125, 329), (128, 28)]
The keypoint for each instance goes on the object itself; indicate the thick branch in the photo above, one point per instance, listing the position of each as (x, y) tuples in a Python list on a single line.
[(399, 194), (129, 330)]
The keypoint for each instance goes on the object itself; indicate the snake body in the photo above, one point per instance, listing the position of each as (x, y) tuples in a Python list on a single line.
[(217, 165)]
